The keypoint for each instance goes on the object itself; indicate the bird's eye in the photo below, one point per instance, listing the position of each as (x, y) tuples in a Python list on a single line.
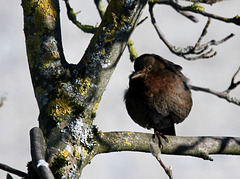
[(149, 68)]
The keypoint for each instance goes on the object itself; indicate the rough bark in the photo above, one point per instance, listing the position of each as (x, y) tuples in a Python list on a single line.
[(68, 94)]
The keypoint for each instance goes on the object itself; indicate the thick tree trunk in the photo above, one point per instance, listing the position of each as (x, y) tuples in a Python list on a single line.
[(67, 94)]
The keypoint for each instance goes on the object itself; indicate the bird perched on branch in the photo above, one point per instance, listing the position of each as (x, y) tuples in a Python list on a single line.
[(158, 95)]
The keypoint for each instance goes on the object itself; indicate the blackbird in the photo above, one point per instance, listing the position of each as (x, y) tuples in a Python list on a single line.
[(158, 95)]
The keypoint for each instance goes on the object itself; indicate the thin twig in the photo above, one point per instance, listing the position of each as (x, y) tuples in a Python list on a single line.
[(2, 99), (205, 1), (72, 16), (132, 51), (188, 15), (161, 36), (199, 50), (9, 176), (196, 8), (100, 7), (141, 21), (12, 170), (233, 84), (204, 32), (224, 94), (156, 152), (91, 29)]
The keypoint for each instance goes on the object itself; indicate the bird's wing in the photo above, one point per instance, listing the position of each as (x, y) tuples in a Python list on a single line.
[(174, 105), (161, 105)]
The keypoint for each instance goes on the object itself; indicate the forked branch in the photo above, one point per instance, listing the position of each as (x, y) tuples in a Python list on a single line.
[(225, 94), (199, 51), (90, 29), (233, 84)]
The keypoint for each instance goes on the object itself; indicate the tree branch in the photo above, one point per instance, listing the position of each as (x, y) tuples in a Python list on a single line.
[(186, 14), (156, 152), (225, 94), (108, 44), (199, 50), (2, 100), (200, 147), (73, 17), (91, 29), (12, 170), (205, 1), (132, 51), (196, 8), (38, 154), (233, 84), (100, 7), (67, 94)]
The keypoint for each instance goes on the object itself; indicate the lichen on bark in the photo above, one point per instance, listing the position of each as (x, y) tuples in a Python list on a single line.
[(67, 94)]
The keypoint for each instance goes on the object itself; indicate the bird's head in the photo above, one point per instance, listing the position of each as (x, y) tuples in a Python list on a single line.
[(151, 64)]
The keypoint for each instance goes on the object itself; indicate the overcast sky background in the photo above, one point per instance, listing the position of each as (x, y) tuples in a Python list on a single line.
[(210, 116)]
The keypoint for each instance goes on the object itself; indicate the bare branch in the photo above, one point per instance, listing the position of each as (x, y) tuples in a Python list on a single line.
[(132, 51), (9, 176), (156, 152), (2, 99), (196, 8), (186, 14), (91, 29), (200, 147), (141, 21), (38, 154), (233, 84), (72, 16), (12, 170), (199, 50), (205, 1), (223, 95), (100, 7)]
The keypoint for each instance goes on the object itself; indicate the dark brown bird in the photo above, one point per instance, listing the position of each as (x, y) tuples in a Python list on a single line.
[(158, 95)]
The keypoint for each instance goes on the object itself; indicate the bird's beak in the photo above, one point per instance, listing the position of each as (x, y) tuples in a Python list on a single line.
[(137, 74)]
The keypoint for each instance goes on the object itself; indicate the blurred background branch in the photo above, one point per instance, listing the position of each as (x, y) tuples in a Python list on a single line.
[(2, 99)]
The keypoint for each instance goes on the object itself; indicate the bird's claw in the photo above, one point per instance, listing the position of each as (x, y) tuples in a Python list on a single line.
[(159, 136)]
